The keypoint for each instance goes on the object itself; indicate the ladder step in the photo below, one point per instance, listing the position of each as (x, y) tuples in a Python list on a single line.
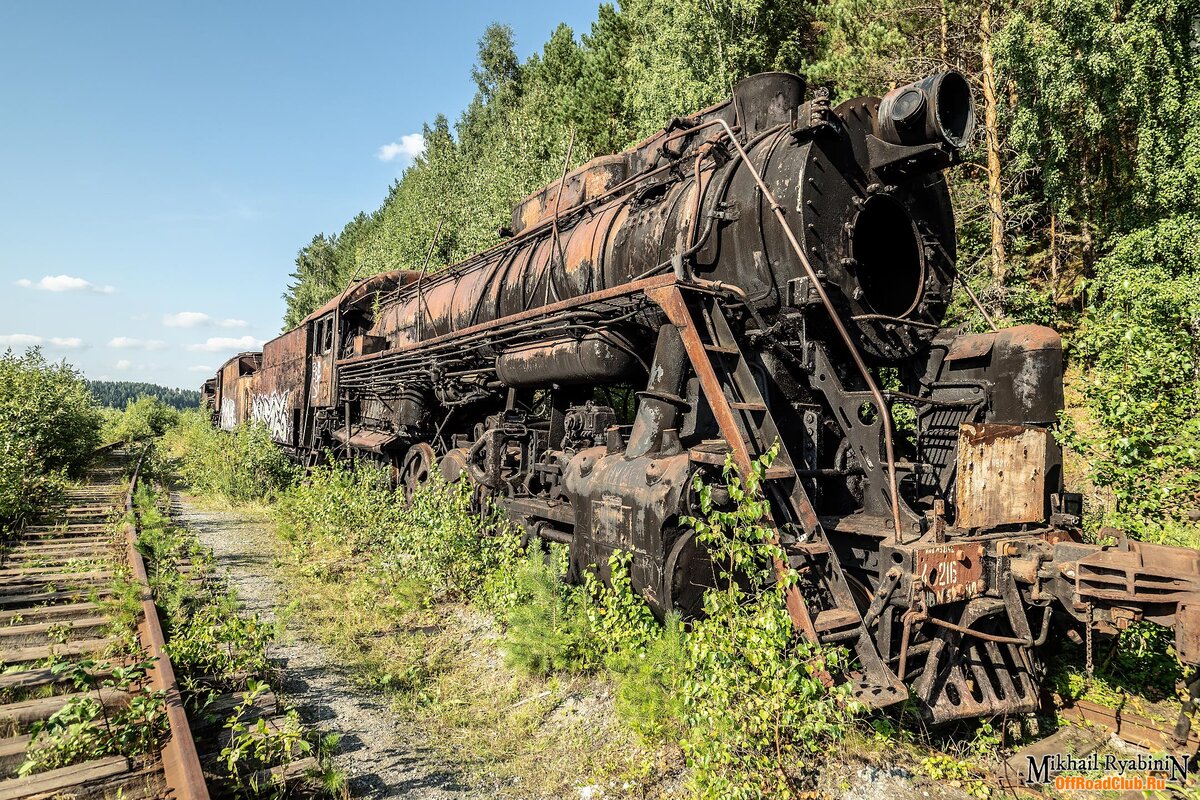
[(750, 406), (833, 618), (722, 349), (808, 549)]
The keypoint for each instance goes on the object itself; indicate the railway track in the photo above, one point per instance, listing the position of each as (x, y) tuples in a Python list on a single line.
[(80, 634)]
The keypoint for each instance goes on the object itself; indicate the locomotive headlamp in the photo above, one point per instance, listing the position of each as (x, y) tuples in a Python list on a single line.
[(935, 109)]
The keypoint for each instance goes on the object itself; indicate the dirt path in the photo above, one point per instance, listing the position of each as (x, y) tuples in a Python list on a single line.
[(377, 762)]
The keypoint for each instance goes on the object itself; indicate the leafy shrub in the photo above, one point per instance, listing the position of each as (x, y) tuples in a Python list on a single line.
[(344, 516), (142, 420), (216, 639), (336, 514), (83, 729), (758, 700), (255, 746), (1139, 340), (750, 702), (239, 466), (49, 428), (753, 705)]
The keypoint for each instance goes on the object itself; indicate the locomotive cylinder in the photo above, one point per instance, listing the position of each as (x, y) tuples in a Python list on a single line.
[(595, 358)]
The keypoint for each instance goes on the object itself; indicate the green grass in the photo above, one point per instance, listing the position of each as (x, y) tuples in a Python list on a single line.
[(216, 648)]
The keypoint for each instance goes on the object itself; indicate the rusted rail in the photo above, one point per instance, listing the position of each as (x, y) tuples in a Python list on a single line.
[(181, 761), (1091, 725), (56, 575), (1131, 727)]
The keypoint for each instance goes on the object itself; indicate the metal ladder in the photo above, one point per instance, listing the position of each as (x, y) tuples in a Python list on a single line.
[(747, 425)]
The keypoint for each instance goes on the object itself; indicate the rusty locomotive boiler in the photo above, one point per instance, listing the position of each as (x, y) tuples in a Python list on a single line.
[(749, 275)]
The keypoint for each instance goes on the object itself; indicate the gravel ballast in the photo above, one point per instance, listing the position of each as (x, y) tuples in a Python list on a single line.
[(377, 761)]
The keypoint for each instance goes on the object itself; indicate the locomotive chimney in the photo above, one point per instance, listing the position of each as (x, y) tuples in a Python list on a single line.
[(765, 100), (935, 109)]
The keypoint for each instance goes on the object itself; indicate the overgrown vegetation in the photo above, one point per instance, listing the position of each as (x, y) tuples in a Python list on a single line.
[(237, 467), (1143, 443), (112, 709), (217, 650), (761, 704), (141, 420), (86, 728), (49, 428), (749, 704)]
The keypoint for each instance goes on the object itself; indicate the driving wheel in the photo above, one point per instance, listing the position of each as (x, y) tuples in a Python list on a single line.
[(418, 462)]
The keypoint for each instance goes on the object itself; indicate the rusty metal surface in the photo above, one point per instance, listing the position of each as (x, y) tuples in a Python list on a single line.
[(1187, 631), (609, 231), (950, 572), (1139, 580), (976, 346), (234, 382), (1129, 726), (1025, 365), (181, 762), (1001, 474), (672, 303), (534, 317), (276, 399), (372, 441)]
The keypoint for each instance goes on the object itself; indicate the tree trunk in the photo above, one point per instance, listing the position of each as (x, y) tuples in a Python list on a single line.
[(945, 49), (992, 136), (1053, 259)]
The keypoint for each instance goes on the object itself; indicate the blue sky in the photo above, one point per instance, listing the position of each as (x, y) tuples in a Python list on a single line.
[(161, 163)]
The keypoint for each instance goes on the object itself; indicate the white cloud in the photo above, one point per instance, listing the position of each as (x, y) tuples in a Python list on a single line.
[(218, 344), (123, 364), (64, 283), (409, 147), (20, 340), (128, 343), (198, 319), (186, 319), (201, 368), (28, 340)]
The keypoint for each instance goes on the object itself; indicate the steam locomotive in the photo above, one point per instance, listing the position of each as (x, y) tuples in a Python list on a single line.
[(771, 271)]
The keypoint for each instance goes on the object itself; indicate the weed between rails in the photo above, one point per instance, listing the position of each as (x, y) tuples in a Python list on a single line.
[(95, 723), (216, 650), (88, 727)]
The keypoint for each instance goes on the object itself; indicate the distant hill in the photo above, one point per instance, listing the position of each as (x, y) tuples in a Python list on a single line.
[(115, 394)]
